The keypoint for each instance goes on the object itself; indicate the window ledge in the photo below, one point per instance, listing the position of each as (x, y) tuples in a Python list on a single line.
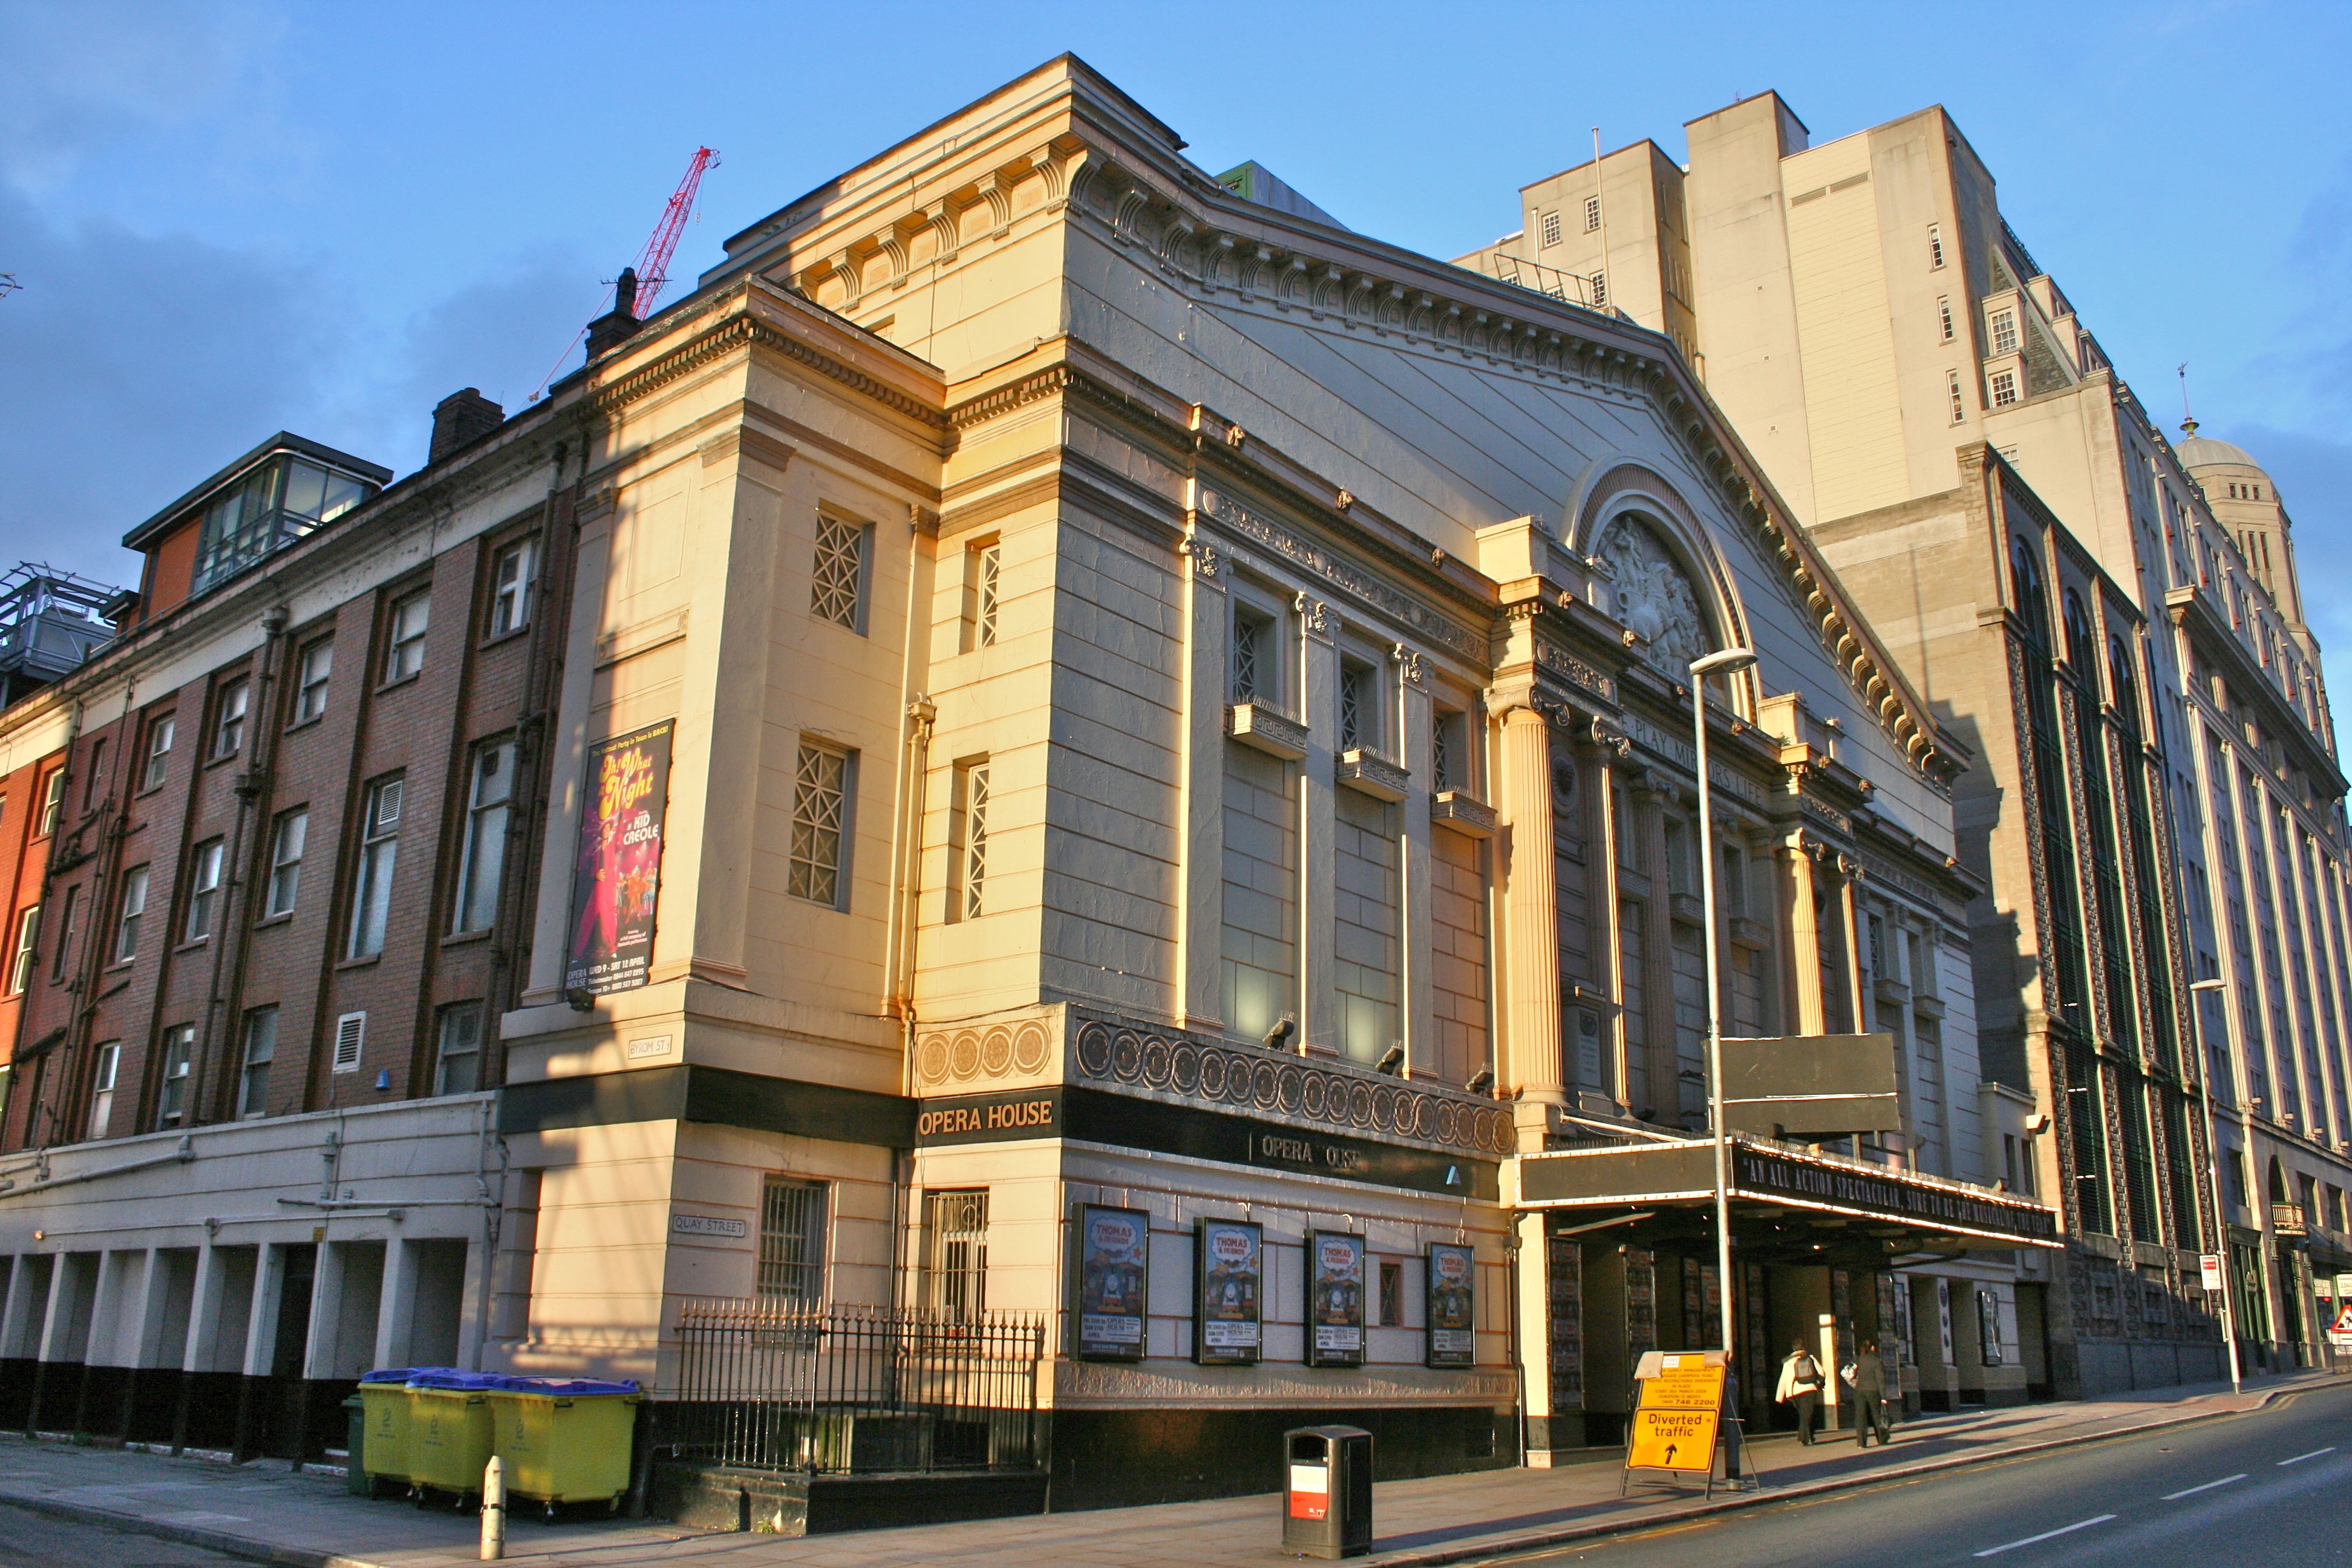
[(506, 637), (461, 938), (223, 757), (192, 943), (409, 680), (318, 717), (371, 959), (277, 919), (1464, 813), (1368, 773), (1260, 726)]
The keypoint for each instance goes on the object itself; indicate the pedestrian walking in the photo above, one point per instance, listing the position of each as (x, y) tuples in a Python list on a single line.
[(1800, 1383), (1866, 1377)]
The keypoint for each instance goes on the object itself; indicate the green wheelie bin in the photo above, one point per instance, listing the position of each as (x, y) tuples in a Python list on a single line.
[(565, 1439)]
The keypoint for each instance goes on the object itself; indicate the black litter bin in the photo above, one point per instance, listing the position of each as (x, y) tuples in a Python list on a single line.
[(1327, 1491)]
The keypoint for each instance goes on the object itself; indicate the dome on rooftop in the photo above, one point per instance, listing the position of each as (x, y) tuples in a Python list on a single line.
[(2204, 452)]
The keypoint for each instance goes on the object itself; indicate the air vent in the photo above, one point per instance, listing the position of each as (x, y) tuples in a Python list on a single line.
[(387, 806), (350, 1034)]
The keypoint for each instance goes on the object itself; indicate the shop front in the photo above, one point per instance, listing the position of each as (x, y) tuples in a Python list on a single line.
[(1827, 1251)]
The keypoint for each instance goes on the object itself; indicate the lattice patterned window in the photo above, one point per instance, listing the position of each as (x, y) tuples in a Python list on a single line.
[(955, 1227), (1944, 316), (1591, 213), (988, 568), (1253, 672), (973, 852), (791, 1241), (1601, 291), (1935, 244), (1952, 386), (837, 582), (1359, 706), (820, 813), (2004, 332), (1445, 752), (2004, 388), (1550, 228)]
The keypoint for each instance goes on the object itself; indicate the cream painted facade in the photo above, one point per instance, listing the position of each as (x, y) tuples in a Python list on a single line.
[(1865, 319)]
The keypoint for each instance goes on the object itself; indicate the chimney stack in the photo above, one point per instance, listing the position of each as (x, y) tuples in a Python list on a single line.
[(460, 418), (616, 326)]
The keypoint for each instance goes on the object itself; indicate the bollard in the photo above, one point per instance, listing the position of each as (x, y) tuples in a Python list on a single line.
[(494, 1510)]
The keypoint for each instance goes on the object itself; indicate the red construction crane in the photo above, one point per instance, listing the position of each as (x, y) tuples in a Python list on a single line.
[(653, 264)]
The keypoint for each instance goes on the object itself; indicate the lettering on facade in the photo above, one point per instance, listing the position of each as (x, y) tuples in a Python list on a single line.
[(1300, 552), (1020, 1115), (1650, 738), (1764, 1175), (1282, 1151)]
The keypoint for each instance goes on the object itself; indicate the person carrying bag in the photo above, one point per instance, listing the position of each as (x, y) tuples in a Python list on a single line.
[(1801, 1382), (1866, 1376)]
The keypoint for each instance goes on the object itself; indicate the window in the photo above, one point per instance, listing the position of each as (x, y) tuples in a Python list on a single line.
[(819, 827), (159, 735), (490, 797), (410, 619), (134, 911), (172, 1090), (53, 800), (379, 852), (310, 684), (1952, 387), (1601, 291), (458, 1062), (791, 1241), (228, 718), (204, 889), (28, 941), (66, 930), (956, 1267), (1449, 749), (351, 1041), (985, 564), (1550, 233), (286, 860), (511, 577), (1360, 706), (260, 1047), (1391, 1293), (97, 774), (1256, 675), (968, 899), (2004, 388), (1944, 316), (1935, 244), (101, 1087), (837, 582), (2004, 332), (1591, 213)]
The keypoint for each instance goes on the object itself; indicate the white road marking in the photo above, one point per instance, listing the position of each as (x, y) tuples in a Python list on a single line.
[(2045, 1535), (2207, 1487), (2313, 1455)]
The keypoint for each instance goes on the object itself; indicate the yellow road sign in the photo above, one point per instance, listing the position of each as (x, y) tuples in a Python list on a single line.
[(1673, 1441)]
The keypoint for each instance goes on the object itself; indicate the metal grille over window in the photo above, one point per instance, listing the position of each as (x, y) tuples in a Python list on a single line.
[(833, 587), (1250, 636), (992, 561), (819, 805), (1351, 708), (975, 845), (957, 1266), (791, 1241)]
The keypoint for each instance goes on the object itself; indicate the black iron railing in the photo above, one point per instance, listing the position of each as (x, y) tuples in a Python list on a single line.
[(781, 1386)]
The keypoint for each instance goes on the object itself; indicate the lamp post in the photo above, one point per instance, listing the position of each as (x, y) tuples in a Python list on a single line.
[(1724, 661), (2214, 1174)]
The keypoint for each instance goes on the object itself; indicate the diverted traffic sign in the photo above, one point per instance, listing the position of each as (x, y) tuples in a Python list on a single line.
[(1675, 1418)]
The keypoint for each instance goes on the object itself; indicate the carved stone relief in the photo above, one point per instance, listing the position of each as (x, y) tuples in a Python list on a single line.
[(1654, 597)]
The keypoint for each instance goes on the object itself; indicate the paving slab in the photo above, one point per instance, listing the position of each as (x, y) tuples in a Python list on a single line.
[(267, 1512)]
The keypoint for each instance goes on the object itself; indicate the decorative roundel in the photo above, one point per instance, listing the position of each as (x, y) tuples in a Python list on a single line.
[(1094, 1049), (1031, 1048), (1212, 1074), (1335, 1108), (1447, 1120), (1563, 780), (1184, 1067), (996, 1051), (1262, 1085), (1126, 1054), (931, 1059), (1359, 1105), (1424, 1117), (1241, 1083), (1498, 1131), (1155, 1062), (964, 1054), (1288, 1088), (1311, 1098)]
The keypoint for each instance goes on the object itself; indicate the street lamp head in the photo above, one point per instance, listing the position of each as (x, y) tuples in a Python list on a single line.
[(2216, 984), (1723, 661)]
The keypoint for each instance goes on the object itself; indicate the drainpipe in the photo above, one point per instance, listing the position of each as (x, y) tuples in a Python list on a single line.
[(923, 713)]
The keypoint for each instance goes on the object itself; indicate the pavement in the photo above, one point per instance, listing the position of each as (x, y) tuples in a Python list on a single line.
[(264, 1512)]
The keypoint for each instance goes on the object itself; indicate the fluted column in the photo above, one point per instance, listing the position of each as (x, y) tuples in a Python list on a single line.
[(1531, 905), (1801, 966)]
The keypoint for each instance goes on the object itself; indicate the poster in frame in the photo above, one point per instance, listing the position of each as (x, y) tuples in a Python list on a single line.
[(1335, 1299), (616, 870), (1452, 1274), (1228, 1266), (1114, 1261)]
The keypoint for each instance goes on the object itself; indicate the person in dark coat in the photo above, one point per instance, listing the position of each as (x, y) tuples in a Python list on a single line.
[(1729, 1418), (1867, 1377), (1801, 1384)]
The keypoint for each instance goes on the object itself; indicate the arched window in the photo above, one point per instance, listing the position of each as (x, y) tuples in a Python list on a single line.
[(2025, 586), (2078, 641)]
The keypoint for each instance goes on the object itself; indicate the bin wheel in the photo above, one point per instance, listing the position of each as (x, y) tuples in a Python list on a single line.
[(611, 1505), (547, 1510), (421, 1496)]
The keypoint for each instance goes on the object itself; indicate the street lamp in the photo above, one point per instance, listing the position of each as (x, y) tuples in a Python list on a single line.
[(2214, 1174), (1724, 661)]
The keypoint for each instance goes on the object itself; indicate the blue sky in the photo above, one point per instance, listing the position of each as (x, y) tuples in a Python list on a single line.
[(233, 217)]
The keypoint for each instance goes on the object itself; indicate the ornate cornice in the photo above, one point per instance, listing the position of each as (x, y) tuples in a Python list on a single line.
[(745, 330)]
